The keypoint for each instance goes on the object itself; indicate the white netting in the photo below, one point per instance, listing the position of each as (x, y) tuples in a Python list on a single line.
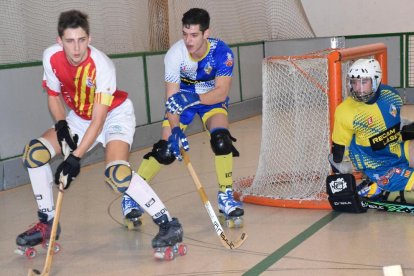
[(130, 26), (30, 26), (295, 131), (237, 21)]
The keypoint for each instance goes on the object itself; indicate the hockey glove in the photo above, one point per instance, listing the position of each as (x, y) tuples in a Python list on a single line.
[(180, 101), (67, 141), (67, 171), (341, 167), (177, 140)]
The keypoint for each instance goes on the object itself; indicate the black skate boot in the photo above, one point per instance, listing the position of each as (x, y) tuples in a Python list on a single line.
[(132, 212), (166, 242), (38, 234)]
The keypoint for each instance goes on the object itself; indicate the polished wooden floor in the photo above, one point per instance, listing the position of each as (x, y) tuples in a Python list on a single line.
[(281, 241)]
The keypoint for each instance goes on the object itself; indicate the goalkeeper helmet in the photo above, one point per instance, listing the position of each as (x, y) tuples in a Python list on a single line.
[(364, 78)]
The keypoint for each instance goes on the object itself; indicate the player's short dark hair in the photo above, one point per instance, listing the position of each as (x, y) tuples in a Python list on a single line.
[(73, 19), (197, 16)]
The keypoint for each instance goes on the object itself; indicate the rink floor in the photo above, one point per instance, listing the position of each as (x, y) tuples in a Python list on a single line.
[(280, 241)]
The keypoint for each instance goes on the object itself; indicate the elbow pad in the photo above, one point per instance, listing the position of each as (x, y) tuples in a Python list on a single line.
[(338, 152), (407, 132)]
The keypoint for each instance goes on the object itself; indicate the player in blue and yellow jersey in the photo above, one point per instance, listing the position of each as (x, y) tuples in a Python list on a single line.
[(198, 74), (368, 123), (83, 78)]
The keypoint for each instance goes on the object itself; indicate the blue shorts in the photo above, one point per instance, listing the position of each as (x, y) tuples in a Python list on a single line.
[(393, 179), (204, 111)]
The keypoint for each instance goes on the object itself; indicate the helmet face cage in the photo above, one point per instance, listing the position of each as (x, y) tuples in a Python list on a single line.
[(361, 70), (361, 89)]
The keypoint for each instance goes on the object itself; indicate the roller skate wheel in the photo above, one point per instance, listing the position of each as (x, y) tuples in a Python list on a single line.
[(165, 253), (30, 252), (132, 224), (56, 247), (158, 254), (182, 250), (169, 254), (238, 222), (19, 250), (231, 222)]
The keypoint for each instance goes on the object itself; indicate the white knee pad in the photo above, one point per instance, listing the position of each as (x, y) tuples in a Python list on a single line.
[(118, 175)]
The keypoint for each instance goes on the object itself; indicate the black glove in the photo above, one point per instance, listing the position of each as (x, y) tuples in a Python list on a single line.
[(67, 171), (65, 137)]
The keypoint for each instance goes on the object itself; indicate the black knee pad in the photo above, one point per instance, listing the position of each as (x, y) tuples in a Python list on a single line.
[(161, 153), (222, 142), (36, 154), (342, 193)]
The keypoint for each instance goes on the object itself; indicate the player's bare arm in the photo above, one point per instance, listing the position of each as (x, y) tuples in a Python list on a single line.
[(99, 114), (219, 93), (56, 107)]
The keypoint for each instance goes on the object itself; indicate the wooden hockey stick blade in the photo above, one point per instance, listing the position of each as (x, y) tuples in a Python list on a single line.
[(219, 229), (216, 223), (50, 248)]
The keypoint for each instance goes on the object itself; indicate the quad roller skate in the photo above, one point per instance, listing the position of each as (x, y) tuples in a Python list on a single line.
[(166, 242), (132, 212), (231, 211), (38, 234)]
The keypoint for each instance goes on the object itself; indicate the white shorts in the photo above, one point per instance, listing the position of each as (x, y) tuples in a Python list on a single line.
[(119, 125)]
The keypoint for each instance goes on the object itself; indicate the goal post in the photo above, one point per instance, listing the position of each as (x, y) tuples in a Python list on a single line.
[(300, 95)]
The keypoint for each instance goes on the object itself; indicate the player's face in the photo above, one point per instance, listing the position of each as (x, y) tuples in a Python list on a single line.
[(362, 86), (75, 44), (195, 40)]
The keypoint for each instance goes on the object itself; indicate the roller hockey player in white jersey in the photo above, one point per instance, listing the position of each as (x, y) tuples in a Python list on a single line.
[(83, 78), (198, 74)]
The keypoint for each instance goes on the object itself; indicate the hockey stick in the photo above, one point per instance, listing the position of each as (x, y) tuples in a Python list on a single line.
[(388, 206), (219, 230), (50, 248)]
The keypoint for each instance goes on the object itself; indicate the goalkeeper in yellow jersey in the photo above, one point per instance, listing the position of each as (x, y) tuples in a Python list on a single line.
[(198, 74), (368, 124)]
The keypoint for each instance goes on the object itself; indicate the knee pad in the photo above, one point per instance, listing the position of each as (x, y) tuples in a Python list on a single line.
[(118, 175), (161, 153), (222, 142), (37, 153)]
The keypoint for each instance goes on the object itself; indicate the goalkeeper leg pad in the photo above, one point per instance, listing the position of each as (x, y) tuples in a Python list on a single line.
[(343, 196)]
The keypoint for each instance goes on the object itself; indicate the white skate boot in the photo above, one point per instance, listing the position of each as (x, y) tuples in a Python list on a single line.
[(132, 212), (231, 211)]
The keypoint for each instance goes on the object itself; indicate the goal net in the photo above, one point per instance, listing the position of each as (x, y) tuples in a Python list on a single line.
[(130, 26), (300, 94)]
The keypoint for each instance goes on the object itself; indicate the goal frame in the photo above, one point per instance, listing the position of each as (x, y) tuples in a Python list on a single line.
[(335, 59)]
